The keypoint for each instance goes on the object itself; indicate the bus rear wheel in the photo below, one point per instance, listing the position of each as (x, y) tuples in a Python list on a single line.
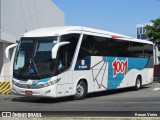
[(138, 83), (81, 91)]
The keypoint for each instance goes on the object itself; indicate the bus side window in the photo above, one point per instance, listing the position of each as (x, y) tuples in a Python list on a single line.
[(62, 58), (66, 53), (87, 47), (148, 50)]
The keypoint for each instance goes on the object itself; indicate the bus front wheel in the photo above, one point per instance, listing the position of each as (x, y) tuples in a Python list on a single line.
[(81, 90), (138, 83)]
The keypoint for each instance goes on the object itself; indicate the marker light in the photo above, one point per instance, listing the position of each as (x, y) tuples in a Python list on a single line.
[(114, 36)]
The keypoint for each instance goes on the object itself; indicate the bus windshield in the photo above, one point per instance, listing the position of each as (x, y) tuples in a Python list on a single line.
[(33, 58)]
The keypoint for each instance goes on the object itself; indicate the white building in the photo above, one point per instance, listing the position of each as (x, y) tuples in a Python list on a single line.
[(19, 16)]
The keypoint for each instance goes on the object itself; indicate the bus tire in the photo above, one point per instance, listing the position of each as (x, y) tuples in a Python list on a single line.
[(81, 90), (138, 83)]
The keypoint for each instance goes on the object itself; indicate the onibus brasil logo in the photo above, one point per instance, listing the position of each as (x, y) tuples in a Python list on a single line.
[(120, 67)]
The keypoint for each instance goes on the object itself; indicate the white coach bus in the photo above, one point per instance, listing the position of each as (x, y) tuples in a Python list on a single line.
[(73, 60)]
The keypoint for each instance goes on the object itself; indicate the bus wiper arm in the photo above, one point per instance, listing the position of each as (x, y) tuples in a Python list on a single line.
[(35, 67), (24, 67)]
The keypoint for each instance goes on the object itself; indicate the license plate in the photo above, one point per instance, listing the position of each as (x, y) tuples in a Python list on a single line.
[(28, 92)]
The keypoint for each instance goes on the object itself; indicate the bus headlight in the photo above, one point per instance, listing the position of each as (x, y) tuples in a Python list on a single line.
[(14, 82), (50, 83)]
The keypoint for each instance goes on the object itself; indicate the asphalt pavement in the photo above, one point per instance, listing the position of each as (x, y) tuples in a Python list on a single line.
[(145, 100)]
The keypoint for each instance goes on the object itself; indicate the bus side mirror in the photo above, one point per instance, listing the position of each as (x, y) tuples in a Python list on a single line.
[(8, 48), (156, 54), (56, 47)]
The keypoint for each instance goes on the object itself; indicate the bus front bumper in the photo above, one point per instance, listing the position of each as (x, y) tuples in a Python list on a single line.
[(49, 91)]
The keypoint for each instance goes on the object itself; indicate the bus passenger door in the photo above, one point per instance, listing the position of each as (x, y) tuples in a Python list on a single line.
[(64, 85)]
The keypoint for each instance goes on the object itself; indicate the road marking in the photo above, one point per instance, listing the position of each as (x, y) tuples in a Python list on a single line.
[(156, 89)]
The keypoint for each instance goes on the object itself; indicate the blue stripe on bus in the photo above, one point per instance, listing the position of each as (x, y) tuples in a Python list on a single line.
[(41, 80), (44, 80), (34, 82), (133, 63)]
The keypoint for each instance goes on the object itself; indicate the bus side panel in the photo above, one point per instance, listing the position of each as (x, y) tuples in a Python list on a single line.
[(147, 76), (107, 73), (82, 75), (99, 69), (123, 71), (130, 78)]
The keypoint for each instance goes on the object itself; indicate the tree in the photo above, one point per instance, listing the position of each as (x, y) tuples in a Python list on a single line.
[(153, 31)]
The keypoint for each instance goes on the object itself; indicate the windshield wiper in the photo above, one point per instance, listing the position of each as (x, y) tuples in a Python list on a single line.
[(24, 67), (35, 67), (28, 65)]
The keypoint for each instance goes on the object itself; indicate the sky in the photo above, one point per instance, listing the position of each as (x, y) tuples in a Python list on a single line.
[(120, 16)]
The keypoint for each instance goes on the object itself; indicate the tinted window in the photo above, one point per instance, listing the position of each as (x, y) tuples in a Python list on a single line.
[(148, 50), (101, 46), (137, 30), (138, 37), (86, 48), (144, 30), (141, 30), (33, 58), (135, 50), (143, 36), (65, 53)]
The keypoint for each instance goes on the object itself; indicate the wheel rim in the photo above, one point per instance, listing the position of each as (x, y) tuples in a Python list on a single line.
[(79, 90), (138, 83)]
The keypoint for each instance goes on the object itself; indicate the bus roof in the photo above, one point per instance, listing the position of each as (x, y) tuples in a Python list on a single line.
[(60, 30)]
